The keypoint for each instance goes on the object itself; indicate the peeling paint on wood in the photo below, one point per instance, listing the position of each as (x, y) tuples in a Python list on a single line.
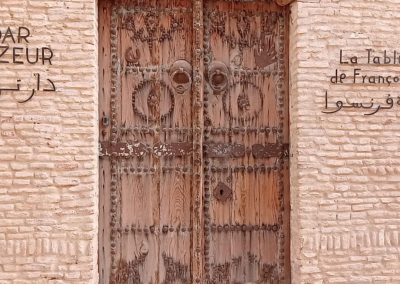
[(173, 149), (225, 150), (122, 149)]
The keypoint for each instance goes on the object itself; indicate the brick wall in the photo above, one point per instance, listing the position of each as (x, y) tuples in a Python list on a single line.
[(345, 169), (48, 159), (345, 182)]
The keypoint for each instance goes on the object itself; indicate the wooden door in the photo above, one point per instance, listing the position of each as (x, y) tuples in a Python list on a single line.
[(193, 142)]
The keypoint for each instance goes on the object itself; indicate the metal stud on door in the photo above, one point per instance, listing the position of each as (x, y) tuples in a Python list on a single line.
[(193, 142), (246, 138)]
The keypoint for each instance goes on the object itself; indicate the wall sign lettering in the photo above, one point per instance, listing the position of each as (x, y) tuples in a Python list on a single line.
[(15, 49), (357, 76)]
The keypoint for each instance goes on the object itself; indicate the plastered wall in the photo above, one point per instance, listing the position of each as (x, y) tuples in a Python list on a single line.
[(345, 172), (48, 145)]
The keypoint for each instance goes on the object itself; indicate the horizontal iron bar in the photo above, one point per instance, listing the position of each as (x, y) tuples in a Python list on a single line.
[(180, 149)]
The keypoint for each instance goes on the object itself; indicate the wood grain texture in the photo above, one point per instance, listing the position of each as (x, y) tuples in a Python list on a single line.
[(246, 39), (104, 165), (212, 75)]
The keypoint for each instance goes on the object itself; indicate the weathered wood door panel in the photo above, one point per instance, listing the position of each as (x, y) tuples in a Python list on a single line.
[(193, 136), (245, 117)]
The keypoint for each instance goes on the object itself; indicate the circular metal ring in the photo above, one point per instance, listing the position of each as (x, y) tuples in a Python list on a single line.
[(218, 76), (180, 74)]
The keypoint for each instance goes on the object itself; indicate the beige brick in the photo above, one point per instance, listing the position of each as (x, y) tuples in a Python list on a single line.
[(355, 209), (35, 158)]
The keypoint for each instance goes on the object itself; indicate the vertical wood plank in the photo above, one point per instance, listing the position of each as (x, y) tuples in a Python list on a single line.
[(286, 166), (104, 165), (104, 221), (176, 177), (246, 38), (197, 185)]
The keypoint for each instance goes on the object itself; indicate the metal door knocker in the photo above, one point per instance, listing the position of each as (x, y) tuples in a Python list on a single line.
[(132, 57), (180, 76), (218, 76)]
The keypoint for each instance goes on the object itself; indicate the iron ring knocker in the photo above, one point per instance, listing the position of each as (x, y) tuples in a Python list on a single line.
[(218, 77), (180, 76)]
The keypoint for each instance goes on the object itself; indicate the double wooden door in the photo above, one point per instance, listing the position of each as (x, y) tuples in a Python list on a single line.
[(193, 142)]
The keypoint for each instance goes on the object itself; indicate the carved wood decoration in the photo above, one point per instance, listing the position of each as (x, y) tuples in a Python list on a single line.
[(193, 142)]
